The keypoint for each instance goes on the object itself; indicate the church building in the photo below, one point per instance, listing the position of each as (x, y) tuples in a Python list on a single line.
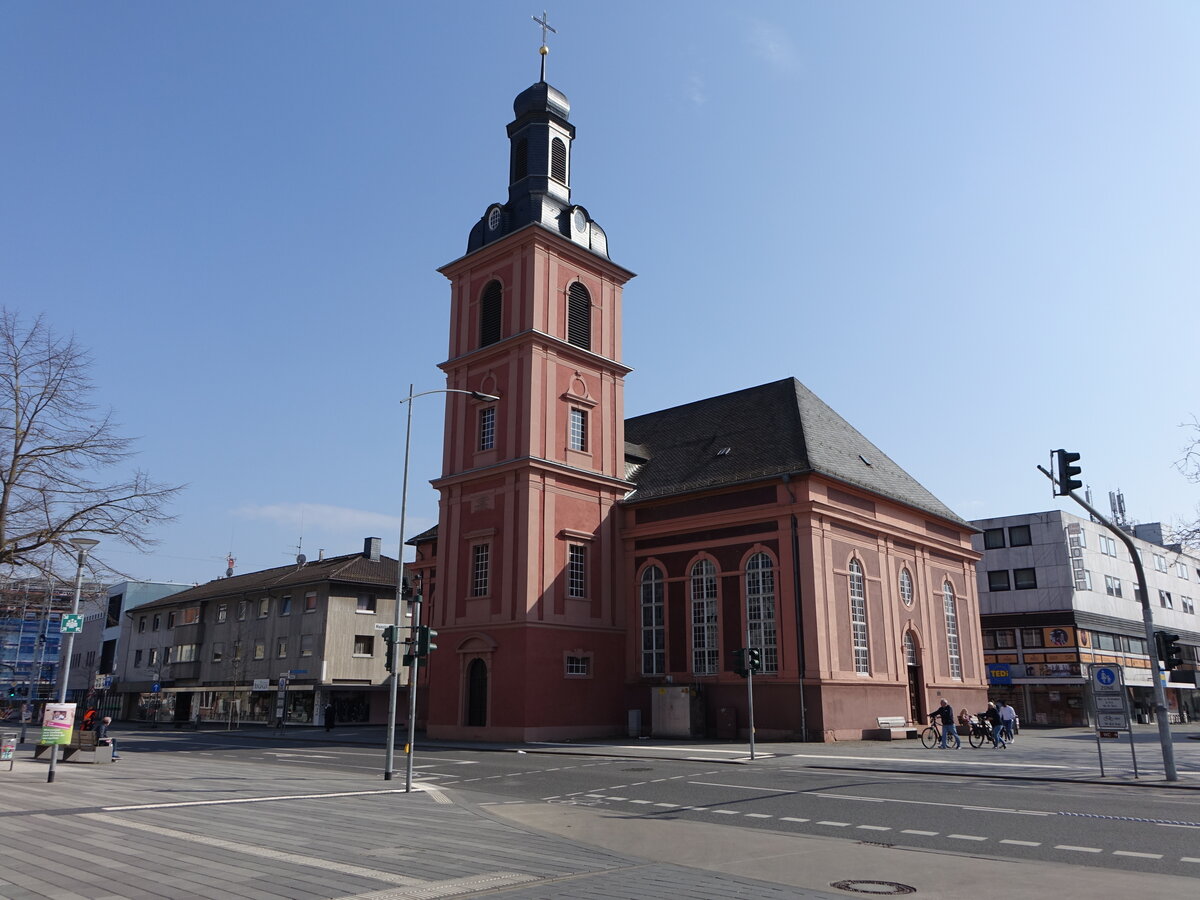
[(592, 575)]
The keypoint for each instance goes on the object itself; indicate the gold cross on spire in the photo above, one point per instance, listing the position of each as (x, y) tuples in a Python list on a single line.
[(543, 50)]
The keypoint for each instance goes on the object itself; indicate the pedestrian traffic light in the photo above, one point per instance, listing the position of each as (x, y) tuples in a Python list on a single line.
[(1169, 650), (425, 636), (1064, 473), (389, 638), (739, 662), (754, 659)]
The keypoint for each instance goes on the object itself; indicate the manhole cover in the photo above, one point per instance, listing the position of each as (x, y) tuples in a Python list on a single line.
[(879, 888)]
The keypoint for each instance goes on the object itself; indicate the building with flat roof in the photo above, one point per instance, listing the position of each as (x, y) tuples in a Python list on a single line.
[(1058, 591)]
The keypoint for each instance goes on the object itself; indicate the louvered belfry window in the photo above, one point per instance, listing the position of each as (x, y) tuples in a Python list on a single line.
[(520, 160), (579, 316), (558, 160), (490, 309)]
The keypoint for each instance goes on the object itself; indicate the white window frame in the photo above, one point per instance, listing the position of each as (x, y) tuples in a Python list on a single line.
[(907, 591), (859, 635), (487, 428), (577, 437), (760, 610), (577, 571), (481, 561), (654, 631), (705, 649), (953, 649)]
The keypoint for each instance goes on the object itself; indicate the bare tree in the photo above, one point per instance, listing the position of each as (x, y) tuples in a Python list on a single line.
[(1188, 533), (57, 450)]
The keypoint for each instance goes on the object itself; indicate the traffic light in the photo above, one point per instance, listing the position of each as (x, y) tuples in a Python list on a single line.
[(1064, 473), (389, 638), (739, 662), (1169, 650), (754, 659), (425, 636)]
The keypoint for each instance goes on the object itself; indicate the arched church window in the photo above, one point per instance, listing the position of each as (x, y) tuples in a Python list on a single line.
[(704, 618), (760, 609), (558, 160), (491, 306), (952, 648), (653, 623), (579, 316), (910, 650), (858, 619)]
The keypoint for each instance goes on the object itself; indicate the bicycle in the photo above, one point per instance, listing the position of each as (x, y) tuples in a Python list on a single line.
[(980, 732), (932, 737)]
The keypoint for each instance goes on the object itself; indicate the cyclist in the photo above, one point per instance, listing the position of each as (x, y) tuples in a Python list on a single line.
[(945, 714)]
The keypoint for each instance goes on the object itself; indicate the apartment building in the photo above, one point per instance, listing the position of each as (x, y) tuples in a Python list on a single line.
[(218, 651), (1058, 591)]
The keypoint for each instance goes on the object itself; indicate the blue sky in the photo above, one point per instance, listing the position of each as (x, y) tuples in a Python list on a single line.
[(970, 228)]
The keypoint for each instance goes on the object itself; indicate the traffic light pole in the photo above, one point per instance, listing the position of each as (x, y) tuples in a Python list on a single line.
[(413, 667), (749, 684), (1160, 692)]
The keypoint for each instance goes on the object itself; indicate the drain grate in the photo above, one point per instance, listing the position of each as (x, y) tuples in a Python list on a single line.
[(879, 888)]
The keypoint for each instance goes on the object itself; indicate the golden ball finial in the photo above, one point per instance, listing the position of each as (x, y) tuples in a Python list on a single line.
[(543, 49)]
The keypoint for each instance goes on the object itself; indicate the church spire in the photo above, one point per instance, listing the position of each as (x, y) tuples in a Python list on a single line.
[(539, 184)]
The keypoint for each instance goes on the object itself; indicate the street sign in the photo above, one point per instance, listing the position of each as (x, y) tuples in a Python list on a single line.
[(261, 684), (72, 623), (1105, 678), (1112, 721), (1110, 703), (381, 627), (155, 688), (296, 672)]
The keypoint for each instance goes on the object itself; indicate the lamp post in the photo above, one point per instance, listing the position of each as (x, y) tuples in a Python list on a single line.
[(83, 546), (397, 618)]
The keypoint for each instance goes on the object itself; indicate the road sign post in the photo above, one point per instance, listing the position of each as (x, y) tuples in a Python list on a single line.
[(1110, 707)]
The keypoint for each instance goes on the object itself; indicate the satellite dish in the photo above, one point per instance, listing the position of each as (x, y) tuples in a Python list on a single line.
[(301, 559)]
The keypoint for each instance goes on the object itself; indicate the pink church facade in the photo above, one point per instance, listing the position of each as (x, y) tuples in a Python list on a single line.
[(591, 575)]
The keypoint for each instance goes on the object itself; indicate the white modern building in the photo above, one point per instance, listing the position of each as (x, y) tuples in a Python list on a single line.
[(1058, 591)]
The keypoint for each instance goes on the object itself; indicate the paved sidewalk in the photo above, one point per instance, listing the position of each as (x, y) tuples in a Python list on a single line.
[(148, 827)]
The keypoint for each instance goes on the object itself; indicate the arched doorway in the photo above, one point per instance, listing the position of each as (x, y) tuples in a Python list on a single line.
[(477, 693), (915, 685)]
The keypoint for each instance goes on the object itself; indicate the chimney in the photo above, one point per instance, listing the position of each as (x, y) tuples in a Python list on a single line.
[(371, 548)]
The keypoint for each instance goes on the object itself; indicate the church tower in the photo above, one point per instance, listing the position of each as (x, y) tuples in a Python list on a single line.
[(526, 596)]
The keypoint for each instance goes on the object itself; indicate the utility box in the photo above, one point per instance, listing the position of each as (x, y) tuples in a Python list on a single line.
[(677, 712)]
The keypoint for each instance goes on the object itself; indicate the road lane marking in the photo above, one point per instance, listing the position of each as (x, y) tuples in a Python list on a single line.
[(875, 827), (240, 846), (939, 761), (1191, 859), (1138, 855), (835, 824), (726, 812), (918, 831), (793, 819), (966, 837), (1022, 843), (758, 816), (1078, 849)]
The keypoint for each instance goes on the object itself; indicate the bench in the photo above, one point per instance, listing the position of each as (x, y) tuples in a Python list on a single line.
[(82, 742), (890, 728)]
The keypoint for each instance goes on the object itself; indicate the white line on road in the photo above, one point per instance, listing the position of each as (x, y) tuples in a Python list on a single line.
[(918, 831), (1078, 849), (875, 827), (835, 824), (792, 819), (1138, 855), (1022, 843), (937, 761), (758, 816), (966, 837)]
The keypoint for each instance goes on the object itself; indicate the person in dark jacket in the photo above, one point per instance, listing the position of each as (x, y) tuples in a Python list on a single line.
[(103, 737), (945, 714), (330, 717), (992, 716)]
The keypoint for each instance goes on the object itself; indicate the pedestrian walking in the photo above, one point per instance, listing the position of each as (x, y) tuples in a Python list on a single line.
[(945, 714), (991, 715), (103, 738), (1008, 718), (330, 717)]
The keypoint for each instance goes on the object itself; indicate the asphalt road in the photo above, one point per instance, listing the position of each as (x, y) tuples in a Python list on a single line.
[(1132, 828)]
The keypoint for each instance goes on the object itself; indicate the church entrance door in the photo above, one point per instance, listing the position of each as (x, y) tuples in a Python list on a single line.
[(477, 679)]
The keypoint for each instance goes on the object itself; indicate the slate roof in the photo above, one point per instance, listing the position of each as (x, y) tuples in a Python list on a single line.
[(353, 568), (770, 430)]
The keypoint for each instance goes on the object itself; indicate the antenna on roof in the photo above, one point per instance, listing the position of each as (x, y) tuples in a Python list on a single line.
[(230, 562)]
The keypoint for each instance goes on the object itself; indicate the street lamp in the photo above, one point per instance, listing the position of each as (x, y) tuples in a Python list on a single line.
[(397, 619), (83, 546)]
